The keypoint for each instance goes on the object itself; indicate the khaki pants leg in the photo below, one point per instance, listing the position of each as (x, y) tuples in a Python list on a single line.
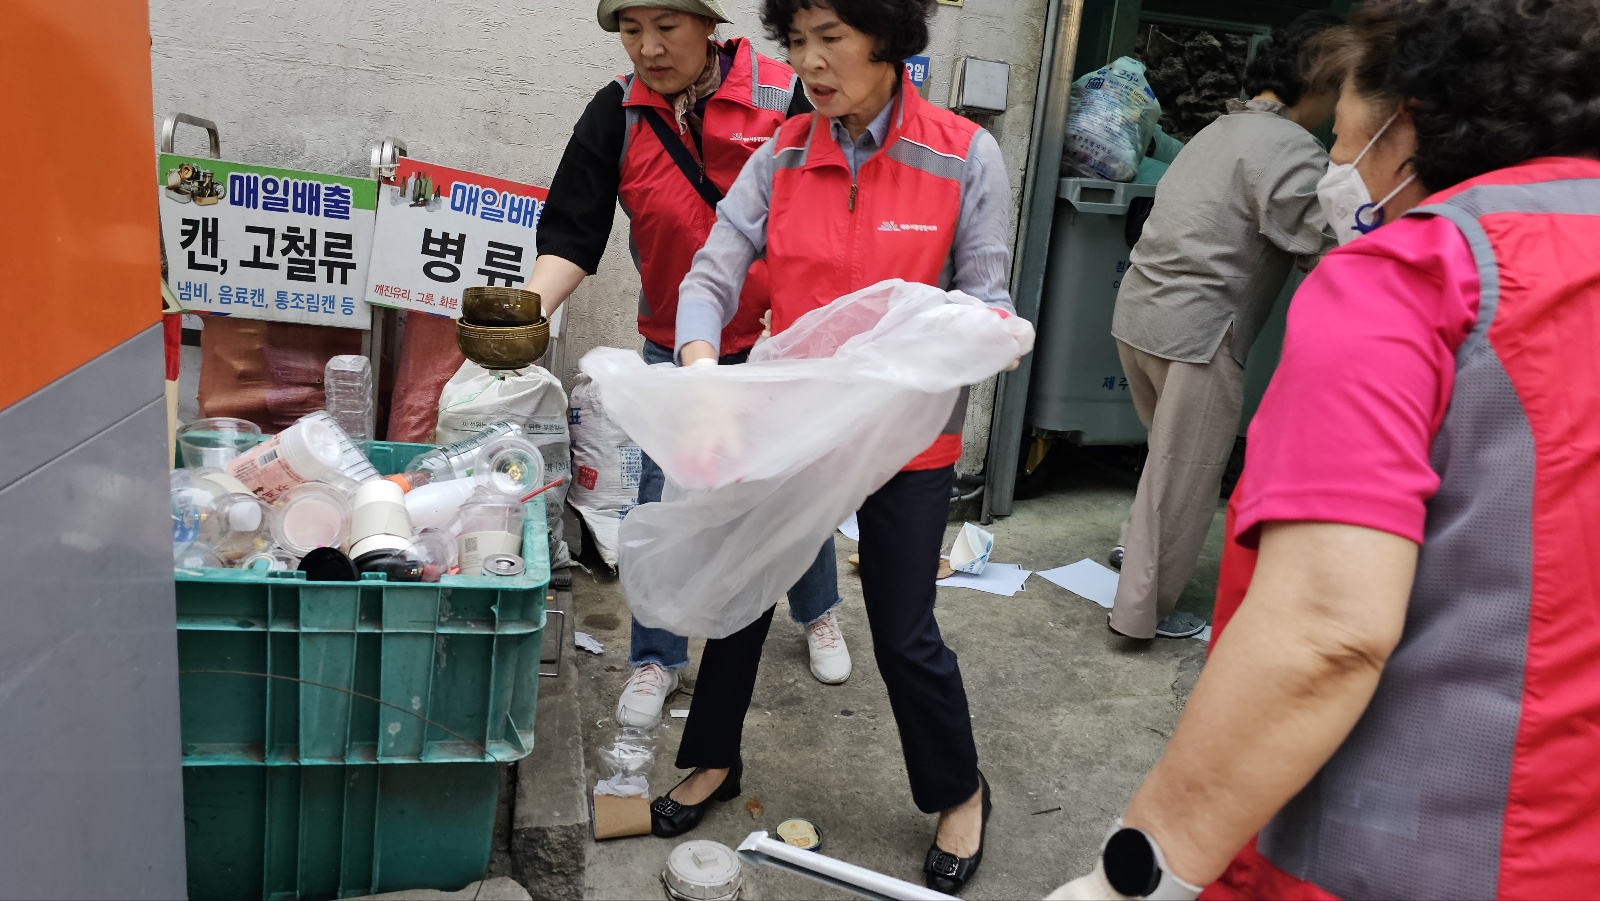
[(1192, 411)]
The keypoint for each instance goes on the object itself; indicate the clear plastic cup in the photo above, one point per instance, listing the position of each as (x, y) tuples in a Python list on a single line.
[(491, 523), (510, 465), (215, 441), (309, 516)]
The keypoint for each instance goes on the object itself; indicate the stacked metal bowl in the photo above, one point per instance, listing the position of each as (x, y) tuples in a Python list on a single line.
[(501, 328)]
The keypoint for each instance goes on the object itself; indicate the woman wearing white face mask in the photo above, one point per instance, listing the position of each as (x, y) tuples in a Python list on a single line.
[(1346, 202), (1403, 694), (1232, 214)]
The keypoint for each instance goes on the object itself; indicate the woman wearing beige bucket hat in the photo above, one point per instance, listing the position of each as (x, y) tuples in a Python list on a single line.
[(666, 141)]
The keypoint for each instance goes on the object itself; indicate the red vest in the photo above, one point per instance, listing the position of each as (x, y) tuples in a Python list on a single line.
[(1473, 772), (829, 235), (668, 220)]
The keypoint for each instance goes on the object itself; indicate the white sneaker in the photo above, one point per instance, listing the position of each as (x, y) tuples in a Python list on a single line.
[(644, 695), (830, 659)]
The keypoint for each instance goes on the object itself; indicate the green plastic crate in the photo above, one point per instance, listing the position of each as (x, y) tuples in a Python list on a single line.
[(311, 833), (268, 661)]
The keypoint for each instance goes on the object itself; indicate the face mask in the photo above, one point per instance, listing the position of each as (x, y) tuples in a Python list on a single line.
[(1344, 197)]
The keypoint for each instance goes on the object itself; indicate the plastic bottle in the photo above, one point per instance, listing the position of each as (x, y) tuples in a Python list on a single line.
[(455, 461), (434, 505), (411, 481), (348, 396), (354, 462), (304, 452)]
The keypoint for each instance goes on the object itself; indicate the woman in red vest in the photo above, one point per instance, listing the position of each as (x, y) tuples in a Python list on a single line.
[(667, 141), (876, 184), (1403, 700)]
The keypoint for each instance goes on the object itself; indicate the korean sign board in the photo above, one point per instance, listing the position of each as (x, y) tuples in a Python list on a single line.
[(917, 68), (263, 243), (441, 230)]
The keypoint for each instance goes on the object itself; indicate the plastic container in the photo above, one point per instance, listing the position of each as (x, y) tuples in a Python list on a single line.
[(425, 558), (194, 557), (354, 461), (349, 398), (302, 453), (1077, 384), (510, 464), (195, 519), (702, 870), (245, 523), (274, 559), (433, 506), (310, 516), (456, 461), (323, 832), (491, 523), (380, 521), (463, 652), (216, 441)]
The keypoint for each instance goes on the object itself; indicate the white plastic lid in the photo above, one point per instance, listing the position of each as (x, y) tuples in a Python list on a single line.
[(311, 448), (702, 871), (245, 513)]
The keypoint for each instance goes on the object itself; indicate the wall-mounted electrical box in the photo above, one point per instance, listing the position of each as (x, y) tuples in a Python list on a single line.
[(979, 86)]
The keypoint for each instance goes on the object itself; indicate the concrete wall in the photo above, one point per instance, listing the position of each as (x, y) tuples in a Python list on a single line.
[(488, 85)]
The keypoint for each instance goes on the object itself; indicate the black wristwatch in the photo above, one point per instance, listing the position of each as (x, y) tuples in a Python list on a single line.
[(1135, 867)]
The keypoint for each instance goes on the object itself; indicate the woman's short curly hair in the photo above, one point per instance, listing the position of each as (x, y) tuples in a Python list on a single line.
[(901, 26), (1286, 62), (1488, 83)]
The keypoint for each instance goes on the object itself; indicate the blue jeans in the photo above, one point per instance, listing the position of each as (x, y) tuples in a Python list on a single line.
[(816, 593)]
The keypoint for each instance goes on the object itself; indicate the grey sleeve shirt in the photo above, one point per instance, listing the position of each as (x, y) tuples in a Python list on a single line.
[(980, 252), (1232, 214)]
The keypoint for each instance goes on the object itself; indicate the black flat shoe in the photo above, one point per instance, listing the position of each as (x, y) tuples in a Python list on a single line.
[(669, 818), (948, 873)]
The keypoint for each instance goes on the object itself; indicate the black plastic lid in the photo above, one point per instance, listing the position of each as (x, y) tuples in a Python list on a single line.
[(327, 564)]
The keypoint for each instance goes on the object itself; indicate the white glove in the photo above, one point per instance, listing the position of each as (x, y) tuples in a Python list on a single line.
[(1022, 330), (1093, 887)]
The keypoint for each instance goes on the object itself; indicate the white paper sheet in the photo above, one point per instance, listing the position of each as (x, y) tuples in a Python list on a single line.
[(1087, 579), (1004, 579), (850, 529), (1205, 635), (588, 643)]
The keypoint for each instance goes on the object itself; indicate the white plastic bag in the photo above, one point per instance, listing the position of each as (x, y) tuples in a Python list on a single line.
[(822, 416), (1111, 118), (475, 397), (606, 466)]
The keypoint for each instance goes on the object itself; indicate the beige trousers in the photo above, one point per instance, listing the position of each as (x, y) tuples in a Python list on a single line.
[(1192, 413)]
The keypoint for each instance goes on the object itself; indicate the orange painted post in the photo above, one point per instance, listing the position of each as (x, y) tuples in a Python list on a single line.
[(78, 235)]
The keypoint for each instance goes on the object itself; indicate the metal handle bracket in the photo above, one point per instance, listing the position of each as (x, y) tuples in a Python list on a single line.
[(171, 123)]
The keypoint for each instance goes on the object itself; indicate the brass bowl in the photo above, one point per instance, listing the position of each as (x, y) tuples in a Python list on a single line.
[(504, 347), (487, 305)]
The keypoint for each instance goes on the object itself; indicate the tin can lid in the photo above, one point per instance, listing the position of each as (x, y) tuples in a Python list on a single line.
[(702, 871), (503, 565), (802, 834)]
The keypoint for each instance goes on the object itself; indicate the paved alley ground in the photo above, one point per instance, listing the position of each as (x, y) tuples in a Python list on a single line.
[(1068, 717)]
